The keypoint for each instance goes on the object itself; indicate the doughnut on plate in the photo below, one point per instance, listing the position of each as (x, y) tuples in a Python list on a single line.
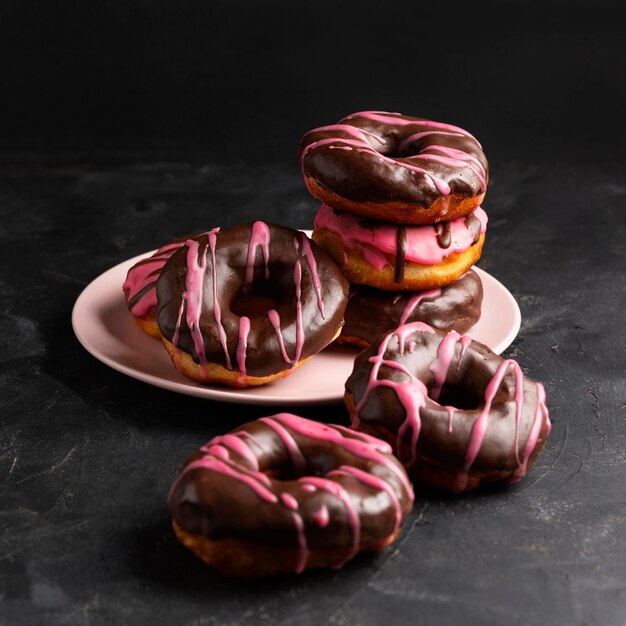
[(107, 330)]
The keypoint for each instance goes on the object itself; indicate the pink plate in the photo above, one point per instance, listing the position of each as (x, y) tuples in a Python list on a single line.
[(107, 330)]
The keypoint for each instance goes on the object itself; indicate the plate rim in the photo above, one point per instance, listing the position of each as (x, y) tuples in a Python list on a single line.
[(237, 396)]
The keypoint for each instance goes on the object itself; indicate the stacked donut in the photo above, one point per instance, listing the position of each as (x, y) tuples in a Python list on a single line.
[(401, 216)]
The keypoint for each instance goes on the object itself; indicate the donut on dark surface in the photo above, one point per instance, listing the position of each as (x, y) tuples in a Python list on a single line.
[(283, 494), (395, 168), (371, 312), (455, 413), (395, 257), (248, 304)]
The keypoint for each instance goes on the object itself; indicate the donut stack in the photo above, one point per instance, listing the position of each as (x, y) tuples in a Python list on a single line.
[(401, 216)]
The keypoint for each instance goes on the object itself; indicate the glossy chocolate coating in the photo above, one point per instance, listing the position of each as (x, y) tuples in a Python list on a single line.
[(292, 482), (371, 311), (303, 333), (383, 164), (498, 420)]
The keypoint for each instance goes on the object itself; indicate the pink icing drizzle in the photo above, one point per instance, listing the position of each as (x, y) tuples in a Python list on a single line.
[(297, 279), (415, 136), (377, 483), (380, 243), (289, 501), (297, 460), (414, 300), (144, 275), (192, 298), (303, 551), (274, 319), (445, 355), (363, 146), (320, 517), (235, 443), (217, 311), (242, 346), (479, 429), (535, 430), (259, 236), (353, 517), (362, 446), (310, 257), (385, 117), (251, 479)]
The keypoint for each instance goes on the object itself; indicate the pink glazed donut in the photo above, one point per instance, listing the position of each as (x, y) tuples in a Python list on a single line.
[(400, 258)]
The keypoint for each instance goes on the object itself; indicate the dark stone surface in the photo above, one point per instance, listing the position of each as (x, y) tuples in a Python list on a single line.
[(124, 123), (87, 454)]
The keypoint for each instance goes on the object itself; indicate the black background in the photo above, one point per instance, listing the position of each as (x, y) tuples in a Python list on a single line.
[(126, 123), (243, 80)]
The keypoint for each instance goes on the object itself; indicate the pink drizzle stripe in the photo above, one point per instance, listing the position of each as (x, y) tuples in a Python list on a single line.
[(235, 443), (479, 429), (259, 237), (297, 279), (274, 319), (414, 300), (194, 289), (376, 483), (363, 146), (445, 355), (353, 517), (242, 346), (541, 412), (221, 333), (361, 447), (216, 465), (297, 460), (310, 257), (404, 145), (385, 117), (144, 274), (303, 551)]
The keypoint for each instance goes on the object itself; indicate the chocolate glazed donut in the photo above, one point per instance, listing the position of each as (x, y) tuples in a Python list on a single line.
[(248, 304), (456, 413), (371, 312), (395, 167), (284, 494)]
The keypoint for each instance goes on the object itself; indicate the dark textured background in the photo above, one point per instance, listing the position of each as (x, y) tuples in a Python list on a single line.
[(124, 123)]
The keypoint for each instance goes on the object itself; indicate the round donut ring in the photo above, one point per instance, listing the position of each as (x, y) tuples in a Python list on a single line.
[(456, 413), (395, 168), (371, 312), (248, 304), (284, 494)]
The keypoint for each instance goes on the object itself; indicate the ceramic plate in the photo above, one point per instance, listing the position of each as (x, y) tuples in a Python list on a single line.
[(106, 329)]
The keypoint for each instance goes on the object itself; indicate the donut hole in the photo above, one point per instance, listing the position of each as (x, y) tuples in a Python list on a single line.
[(319, 462), (391, 148), (460, 397), (257, 302)]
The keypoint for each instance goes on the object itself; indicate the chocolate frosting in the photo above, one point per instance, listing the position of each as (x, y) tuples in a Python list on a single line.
[(449, 399), (376, 156), (257, 298), (371, 311), (288, 481)]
